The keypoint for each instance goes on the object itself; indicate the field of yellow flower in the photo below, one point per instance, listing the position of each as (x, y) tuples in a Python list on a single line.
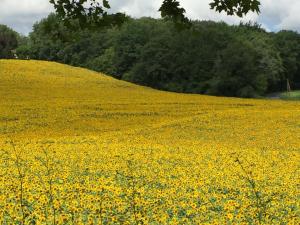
[(79, 147)]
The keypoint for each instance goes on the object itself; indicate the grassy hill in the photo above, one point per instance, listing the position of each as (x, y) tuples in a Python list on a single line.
[(79, 147)]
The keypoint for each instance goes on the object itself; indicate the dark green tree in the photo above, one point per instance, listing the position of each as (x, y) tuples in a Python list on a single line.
[(104, 63), (8, 42), (288, 44), (130, 40), (212, 58), (240, 71), (180, 61)]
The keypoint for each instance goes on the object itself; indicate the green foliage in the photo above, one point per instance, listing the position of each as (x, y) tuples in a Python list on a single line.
[(104, 63), (94, 13), (130, 40), (210, 58), (236, 7), (171, 10), (89, 13), (8, 42), (263, 43), (294, 95), (288, 44), (238, 71)]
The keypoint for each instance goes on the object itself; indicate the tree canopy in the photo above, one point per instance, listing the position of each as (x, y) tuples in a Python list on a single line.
[(212, 58), (8, 41), (94, 13)]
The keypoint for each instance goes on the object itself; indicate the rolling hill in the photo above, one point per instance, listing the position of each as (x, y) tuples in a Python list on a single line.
[(79, 147)]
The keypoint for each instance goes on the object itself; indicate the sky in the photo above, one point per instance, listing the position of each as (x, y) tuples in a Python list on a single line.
[(275, 14)]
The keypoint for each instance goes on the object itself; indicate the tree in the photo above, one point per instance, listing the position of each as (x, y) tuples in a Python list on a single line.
[(288, 44), (212, 58), (237, 72), (179, 61), (104, 63), (130, 40), (89, 13), (52, 40), (92, 13), (8, 41)]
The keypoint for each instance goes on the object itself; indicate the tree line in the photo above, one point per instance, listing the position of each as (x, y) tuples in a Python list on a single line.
[(209, 58)]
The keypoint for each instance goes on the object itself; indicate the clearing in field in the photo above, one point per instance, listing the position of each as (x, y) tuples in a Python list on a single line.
[(79, 147)]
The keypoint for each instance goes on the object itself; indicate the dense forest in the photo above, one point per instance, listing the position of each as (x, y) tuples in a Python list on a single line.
[(208, 58)]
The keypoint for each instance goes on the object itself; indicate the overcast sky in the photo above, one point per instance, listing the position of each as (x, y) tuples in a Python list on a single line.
[(275, 14)]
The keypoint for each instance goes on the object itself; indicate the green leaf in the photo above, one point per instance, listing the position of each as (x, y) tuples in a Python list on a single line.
[(106, 4)]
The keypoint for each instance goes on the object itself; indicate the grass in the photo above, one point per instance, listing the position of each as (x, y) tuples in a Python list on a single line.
[(294, 95)]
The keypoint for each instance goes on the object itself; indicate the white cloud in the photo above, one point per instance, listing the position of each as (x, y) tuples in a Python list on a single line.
[(275, 14), (137, 8), (281, 14), (195, 9), (22, 14)]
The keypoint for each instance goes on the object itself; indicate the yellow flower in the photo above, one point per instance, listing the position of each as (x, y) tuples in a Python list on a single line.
[(79, 147)]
